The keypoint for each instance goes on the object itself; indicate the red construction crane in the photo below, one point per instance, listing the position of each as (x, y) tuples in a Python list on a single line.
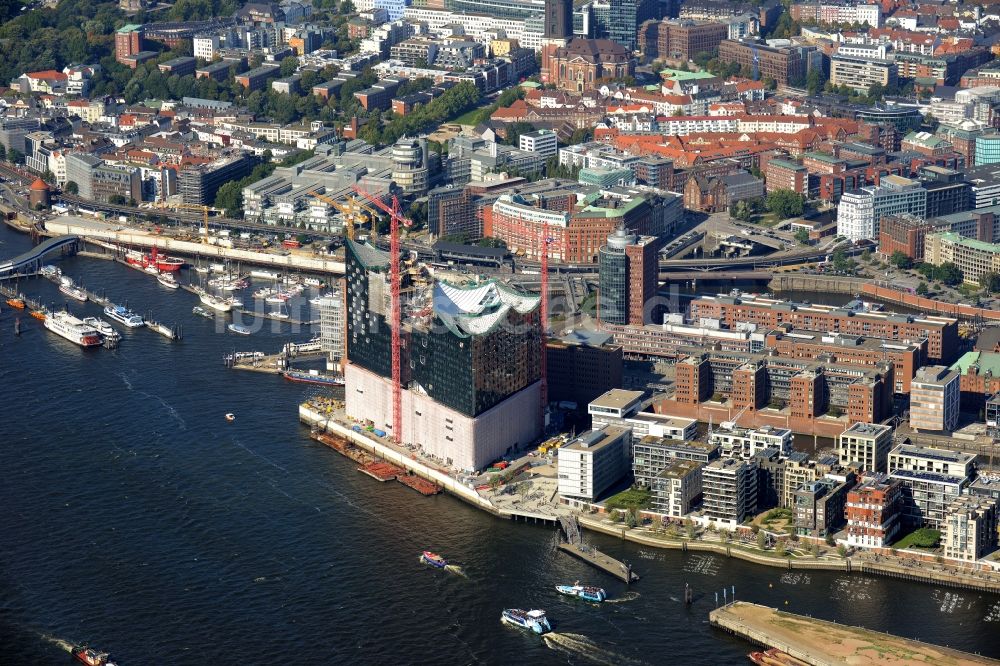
[(543, 247), (395, 217)]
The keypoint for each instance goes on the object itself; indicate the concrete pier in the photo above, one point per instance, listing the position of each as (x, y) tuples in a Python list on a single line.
[(599, 560), (823, 643)]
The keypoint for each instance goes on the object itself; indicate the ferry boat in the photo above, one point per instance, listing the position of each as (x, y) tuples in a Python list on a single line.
[(73, 329), (168, 280), (202, 312), (91, 657), (312, 377), (433, 559), (533, 620), (585, 592), (775, 657), (101, 326), (15, 303), (124, 316), (240, 330), (153, 260), (214, 302), (67, 287)]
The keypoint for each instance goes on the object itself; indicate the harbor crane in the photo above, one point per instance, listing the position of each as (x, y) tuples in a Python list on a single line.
[(395, 219), (186, 206)]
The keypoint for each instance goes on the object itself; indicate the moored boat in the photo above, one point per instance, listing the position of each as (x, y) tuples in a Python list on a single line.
[(67, 287), (167, 280), (533, 620), (41, 314), (15, 303), (102, 327), (154, 261), (91, 657), (585, 592), (201, 312), (433, 559), (240, 330), (124, 316), (312, 377), (76, 331), (775, 657), (50, 271), (214, 302)]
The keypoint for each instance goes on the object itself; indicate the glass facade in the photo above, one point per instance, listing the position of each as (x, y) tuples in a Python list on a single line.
[(613, 297), (369, 337)]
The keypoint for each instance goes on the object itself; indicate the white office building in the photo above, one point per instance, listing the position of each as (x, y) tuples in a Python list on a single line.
[(860, 210), (542, 141), (593, 462)]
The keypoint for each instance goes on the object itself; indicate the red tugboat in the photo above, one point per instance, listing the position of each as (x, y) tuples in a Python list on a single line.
[(154, 259), (91, 657)]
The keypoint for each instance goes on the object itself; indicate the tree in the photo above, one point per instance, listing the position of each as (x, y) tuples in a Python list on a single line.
[(689, 528), (922, 289), (814, 549), (72, 187), (630, 519), (842, 550), (900, 259), (15, 156), (741, 210), (802, 236), (515, 130), (117, 199), (814, 81), (990, 282), (761, 539), (779, 548), (3, 153), (785, 203), (948, 273), (288, 65)]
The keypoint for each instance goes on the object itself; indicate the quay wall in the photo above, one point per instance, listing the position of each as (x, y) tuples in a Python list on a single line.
[(818, 283), (133, 238), (928, 304)]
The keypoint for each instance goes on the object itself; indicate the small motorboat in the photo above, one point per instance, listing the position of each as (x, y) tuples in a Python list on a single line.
[(50, 271), (40, 314), (201, 312), (433, 559), (230, 417), (240, 330), (91, 657), (15, 303), (533, 620), (585, 592)]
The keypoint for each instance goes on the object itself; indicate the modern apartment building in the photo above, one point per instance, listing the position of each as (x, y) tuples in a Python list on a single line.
[(873, 511), (970, 528), (746, 443), (676, 489), (820, 505), (932, 480), (729, 490), (867, 444), (651, 455), (593, 462), (934, 399)]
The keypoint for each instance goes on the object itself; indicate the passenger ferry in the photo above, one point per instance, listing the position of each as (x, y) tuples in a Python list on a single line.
[(101, 326), (533, 620), (585, 592), (124, 316), (76, 331), (90, 657)]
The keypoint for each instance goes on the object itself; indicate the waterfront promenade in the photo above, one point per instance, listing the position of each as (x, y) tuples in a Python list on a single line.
[(823, 643)]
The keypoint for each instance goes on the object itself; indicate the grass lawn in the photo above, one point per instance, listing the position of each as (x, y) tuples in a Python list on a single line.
[(919, 538), (466, 118), (767, 219), (633, 498)]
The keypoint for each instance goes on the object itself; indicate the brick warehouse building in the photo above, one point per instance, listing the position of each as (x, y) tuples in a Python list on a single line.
[(941, 332), (680, 39), (784, 65)]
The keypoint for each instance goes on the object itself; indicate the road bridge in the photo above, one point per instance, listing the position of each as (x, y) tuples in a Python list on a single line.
[(31, 261)]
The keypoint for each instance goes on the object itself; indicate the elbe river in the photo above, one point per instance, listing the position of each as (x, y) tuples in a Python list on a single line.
[(135, 518)]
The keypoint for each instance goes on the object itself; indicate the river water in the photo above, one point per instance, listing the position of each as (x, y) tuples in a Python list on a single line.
[(137, 519)]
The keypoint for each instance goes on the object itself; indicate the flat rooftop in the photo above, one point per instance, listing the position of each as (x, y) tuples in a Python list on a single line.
[(595, 440), (617, 399)]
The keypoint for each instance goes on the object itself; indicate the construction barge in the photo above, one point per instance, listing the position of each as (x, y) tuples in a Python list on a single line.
[(375, 468)]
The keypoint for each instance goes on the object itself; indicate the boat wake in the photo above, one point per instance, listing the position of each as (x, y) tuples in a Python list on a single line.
[(166, 405), (581, 646), (57, 642), (456, 569), (628, 596)]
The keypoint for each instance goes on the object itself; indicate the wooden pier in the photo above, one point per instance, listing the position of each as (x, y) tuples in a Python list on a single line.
[(823, 643), (573, 545)]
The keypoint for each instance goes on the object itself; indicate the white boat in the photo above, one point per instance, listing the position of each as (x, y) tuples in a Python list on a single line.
[(124, 316), (217, 268), (167, 280), (49, 270), (201, 269), (313, 282), (265, 275), (278, 314), (215, 302), (102, 327), (264, 292), (241, 330), (278, 297), (73, 291), (234, 302), (75, 330), (533, 620), (152, 269)]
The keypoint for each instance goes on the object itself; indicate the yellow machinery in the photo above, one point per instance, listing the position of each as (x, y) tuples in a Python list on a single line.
[(198, 207), (354, 211)]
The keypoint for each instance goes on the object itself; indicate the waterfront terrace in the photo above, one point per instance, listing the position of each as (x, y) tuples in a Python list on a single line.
[(941, 333)]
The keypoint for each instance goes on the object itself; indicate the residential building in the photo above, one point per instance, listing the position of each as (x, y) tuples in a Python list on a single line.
[(746, 443), (861, 73), (651, 454), (729, 490), (108, 182), (873, 512), (128, 42), (593, 462), (928, 459), (676, 489), (934, 399), (867, 445), (629, 276), (820, 505), (861, 211), (333, 326), (932, 479), (975, 258), (256, 79), (970, 528)]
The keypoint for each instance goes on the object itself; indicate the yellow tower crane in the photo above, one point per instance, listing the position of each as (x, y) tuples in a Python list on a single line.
[(199, 207), (353, 210)]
